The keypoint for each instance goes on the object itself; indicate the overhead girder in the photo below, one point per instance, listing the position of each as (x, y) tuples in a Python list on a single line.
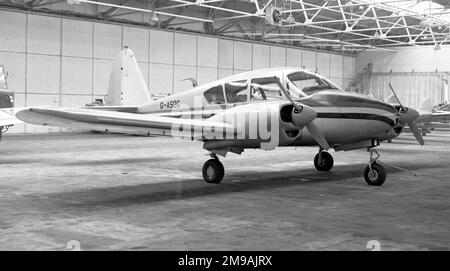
[(358, 23)]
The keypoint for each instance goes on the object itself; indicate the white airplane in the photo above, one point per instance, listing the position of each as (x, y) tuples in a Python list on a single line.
[(261, 109), (7, 113)]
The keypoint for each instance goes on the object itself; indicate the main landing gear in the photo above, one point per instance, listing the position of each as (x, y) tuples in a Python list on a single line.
[(213, 170), (374, 174)]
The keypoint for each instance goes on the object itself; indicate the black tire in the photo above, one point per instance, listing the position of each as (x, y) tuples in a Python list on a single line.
[(213, 171), (377, 177), (326, 162)]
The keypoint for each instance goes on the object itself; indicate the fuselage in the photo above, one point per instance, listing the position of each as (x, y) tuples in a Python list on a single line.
[(342, 117)]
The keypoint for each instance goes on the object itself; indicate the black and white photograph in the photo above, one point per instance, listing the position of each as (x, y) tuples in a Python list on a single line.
[(241, 127)]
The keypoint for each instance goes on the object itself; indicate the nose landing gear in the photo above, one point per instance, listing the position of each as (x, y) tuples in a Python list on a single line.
[(323, 161), (374, 174), (213, 170)]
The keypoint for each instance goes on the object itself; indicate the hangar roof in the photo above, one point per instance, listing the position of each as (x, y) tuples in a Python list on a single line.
[(348, 26)]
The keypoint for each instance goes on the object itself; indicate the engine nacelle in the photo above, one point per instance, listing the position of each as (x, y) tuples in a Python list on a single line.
[(264, 125)]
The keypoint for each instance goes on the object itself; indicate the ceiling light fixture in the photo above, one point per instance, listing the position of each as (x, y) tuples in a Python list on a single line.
[(154, 17), (290, 19)]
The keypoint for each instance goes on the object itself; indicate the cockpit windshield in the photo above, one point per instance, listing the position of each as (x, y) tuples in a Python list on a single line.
[(309, 83)]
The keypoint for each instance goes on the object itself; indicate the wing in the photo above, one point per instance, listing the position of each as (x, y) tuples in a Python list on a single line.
[(120, 122), (7, 117)]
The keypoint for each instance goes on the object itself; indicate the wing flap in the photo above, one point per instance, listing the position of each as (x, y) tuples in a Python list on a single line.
[(119, 108)]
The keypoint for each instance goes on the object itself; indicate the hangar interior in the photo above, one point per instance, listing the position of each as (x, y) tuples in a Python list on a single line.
[(77, 42), (60, 52)]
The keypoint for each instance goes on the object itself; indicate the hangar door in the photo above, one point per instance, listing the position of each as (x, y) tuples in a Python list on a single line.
[(412, 88)]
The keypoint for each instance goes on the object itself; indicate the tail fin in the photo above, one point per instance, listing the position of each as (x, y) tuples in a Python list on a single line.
[(426, 106), (126, 83)]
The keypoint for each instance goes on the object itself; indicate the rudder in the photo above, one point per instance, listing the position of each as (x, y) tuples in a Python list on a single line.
[(127, 86)]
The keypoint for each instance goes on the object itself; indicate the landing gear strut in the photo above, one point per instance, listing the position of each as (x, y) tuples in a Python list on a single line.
[(213, 170), (374, 174), (2, 130), (323, 161)]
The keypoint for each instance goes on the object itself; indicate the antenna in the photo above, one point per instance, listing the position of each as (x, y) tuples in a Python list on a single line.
[(193, 81)]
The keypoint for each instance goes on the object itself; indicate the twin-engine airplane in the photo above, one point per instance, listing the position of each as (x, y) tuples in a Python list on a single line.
[(261, 109)]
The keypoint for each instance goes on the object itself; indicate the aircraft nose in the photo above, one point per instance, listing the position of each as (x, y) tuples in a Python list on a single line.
[(409, 116), (304, 117)]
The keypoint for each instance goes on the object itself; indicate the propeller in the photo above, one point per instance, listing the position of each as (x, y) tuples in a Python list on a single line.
[(304, 116), (408, 116), (417, 134), (317, 135)]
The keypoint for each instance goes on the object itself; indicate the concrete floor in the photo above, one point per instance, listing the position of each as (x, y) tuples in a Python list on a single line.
[(138, 193)]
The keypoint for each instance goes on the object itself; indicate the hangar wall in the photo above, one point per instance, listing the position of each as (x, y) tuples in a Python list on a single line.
[(66, 62), (406, 59), (415, 72)]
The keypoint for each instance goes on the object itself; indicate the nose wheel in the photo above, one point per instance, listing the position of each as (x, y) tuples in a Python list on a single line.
[(374, 174), (213, 170), (323, 161)]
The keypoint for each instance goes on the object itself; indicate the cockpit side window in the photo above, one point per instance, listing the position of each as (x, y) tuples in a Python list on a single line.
[(265, 88), (309, 83), (215, 95), (236, 92)]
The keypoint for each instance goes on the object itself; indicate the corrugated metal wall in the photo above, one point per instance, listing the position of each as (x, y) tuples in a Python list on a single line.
[(412, 88)]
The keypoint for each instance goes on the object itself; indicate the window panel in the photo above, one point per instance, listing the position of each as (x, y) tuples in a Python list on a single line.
[(236, 92), (215, 95)]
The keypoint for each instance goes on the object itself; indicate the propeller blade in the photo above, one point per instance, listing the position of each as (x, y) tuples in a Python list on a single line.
[(286, 93), (317, 135), (395, 95), (416, 132)]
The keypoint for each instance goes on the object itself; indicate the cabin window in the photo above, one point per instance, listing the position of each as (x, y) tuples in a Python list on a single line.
[(309, 83), (236, 92), (265, 89), (215, 95)]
